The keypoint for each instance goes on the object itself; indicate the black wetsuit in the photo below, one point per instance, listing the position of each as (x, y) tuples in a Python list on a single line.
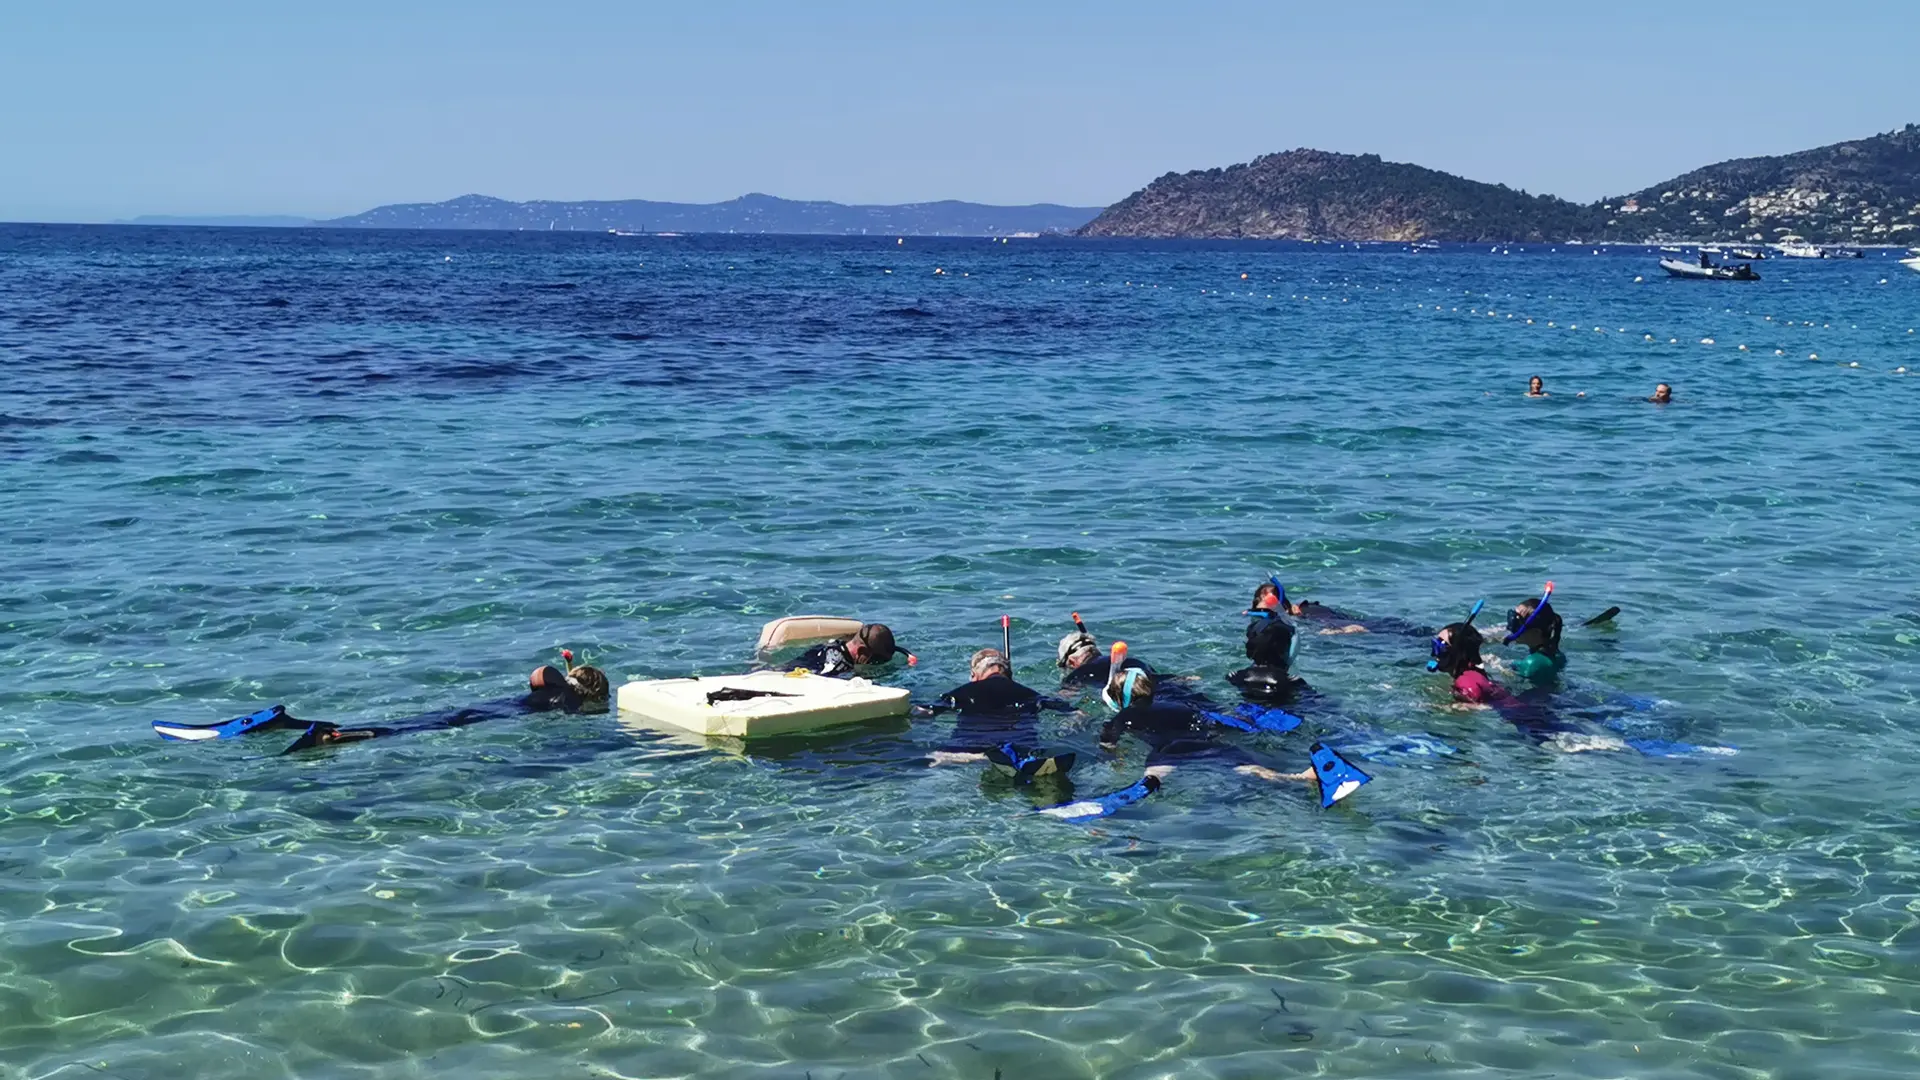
[(1270, 647), (1385, 624), (830, 659), (1096, 671), (556, 695), (1174, 734), (993, 712)]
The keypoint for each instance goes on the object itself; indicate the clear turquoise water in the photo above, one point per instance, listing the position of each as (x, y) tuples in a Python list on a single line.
[(429, 468)]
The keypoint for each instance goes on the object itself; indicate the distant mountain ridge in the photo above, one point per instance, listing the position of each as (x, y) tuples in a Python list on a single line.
[(754, 213), (1864, 191)]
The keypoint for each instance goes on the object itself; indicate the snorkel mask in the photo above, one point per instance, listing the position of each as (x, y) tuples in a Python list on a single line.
[(1120, 673), (1076, 643), (1128, 679), (1441, 648), (1517, 624)]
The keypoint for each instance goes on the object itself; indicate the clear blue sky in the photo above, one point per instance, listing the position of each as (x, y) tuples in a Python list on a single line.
[(325, 108)]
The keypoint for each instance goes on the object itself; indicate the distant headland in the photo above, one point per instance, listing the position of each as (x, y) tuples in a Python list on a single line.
[(1861, 192)]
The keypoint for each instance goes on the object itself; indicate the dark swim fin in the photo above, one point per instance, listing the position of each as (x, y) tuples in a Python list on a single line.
[(266, 719), (1105, 805), (1605, 616), (1024, 765), (321, 733), (1338, 777)]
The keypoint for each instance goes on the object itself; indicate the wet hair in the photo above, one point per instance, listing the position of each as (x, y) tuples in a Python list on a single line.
[(879, 642), (1075, 644), (1142, 694), (1463, 649), (1266, 589), (986, 661), (589, 682)]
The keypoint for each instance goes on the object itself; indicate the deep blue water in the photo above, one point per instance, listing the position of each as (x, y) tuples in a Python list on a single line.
[(374, 474)]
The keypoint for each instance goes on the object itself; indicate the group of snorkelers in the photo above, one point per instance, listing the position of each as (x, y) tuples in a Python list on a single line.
[(996, 719)]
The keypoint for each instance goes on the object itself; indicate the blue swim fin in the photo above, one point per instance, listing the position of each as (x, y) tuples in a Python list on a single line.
[(264, 720), (1024, 764), (1338, 777), (1105, 805), (1250, 717)]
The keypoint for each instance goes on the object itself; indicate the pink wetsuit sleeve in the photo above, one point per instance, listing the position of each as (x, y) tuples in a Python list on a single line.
[(1473, 685)]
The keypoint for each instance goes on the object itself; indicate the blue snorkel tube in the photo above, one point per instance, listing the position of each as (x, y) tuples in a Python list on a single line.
[(1546, 597), (1433, 663)]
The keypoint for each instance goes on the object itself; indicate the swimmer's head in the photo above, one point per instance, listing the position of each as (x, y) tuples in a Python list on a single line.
[(874, 644), (1456, 649), (1535, 385), (1128, 688), (589, 682), (1661, 394), (1535, 631), (1076, 649), (990, 662), (1268, 597)]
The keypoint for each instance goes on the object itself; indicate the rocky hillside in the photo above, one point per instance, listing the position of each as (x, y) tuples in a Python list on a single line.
[(1313, 194), (1866, 191)]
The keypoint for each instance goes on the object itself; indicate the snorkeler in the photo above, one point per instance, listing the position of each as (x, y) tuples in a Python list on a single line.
[(997, 721), (1456, 654), (1081, 662), (872, 645), (1334, 621), (1177, 735), (1271, 645), (1535, 624), (578, 689)]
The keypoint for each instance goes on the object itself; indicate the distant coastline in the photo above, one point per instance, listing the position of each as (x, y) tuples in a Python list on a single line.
[(1861, 193)]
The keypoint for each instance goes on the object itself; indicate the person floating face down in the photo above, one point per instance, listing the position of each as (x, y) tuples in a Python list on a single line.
[(996, 716), (871, 646), (1535, 624), (579, 689), (1271, 645), (1174, 734), (1082, 664)]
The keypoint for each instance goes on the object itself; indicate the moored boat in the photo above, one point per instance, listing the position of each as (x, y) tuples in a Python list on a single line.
[(1681, 269)]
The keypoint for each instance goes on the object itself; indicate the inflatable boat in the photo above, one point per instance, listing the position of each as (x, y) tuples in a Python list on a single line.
[(760, 703), (1681, 269)]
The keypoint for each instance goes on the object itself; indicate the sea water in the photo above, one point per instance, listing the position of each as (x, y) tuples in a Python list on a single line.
[(374, 474)]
